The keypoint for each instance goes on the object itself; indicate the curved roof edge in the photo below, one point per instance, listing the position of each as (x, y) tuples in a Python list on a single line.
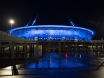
[(45, 26)]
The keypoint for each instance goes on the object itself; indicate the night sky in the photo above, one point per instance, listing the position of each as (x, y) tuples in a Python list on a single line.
[(88, 14)]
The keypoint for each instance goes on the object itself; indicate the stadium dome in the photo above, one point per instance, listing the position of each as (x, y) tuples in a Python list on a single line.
[(53, 32)]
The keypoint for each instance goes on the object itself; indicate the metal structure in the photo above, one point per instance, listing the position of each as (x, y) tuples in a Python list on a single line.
[(53, 32)]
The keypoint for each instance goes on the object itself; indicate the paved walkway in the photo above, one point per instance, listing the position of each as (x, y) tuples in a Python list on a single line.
[(80, 72)]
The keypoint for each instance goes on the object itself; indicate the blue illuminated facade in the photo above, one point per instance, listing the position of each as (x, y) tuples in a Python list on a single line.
[(53, 33)]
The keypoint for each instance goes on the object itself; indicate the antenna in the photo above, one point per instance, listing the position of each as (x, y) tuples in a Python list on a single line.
[(34, 20), (71, 22), (28, 23)]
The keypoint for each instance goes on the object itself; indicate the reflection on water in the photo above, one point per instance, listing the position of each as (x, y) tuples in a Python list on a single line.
[(52, 61)]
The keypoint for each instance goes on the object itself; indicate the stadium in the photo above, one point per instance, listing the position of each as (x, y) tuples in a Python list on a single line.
[(51, 46), (53, 32)]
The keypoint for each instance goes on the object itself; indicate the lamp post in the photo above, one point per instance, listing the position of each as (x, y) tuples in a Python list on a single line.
[(11, 22)]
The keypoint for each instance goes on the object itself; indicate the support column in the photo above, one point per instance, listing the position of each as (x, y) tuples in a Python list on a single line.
[(36, 54), (100, 50), (12, 50), (48, 49), (83, 47), (37, 50), (49, 54), (59, 46), (33, 50), (30, 50), (69, 49), (76, 55), (25, 50), (92, 51), (43, 49), (12, 57), (25, 54), (17, 49), (97, 50), (9, 48), (87, 48), (76, 50)]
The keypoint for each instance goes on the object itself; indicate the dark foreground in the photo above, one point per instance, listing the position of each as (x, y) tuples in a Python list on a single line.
[(75, 72)]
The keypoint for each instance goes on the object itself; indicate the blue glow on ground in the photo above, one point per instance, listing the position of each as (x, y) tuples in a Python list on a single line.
[(56, 32), (33, 65), (53, 62)]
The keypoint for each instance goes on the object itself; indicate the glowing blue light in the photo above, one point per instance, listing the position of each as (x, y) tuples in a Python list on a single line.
[(58, 31), (33, 65), (52, 62)]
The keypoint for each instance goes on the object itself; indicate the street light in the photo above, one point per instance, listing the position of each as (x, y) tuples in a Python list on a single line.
[(11, 22)]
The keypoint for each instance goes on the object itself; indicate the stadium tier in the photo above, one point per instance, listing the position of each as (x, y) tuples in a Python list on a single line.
[(53, 33)]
